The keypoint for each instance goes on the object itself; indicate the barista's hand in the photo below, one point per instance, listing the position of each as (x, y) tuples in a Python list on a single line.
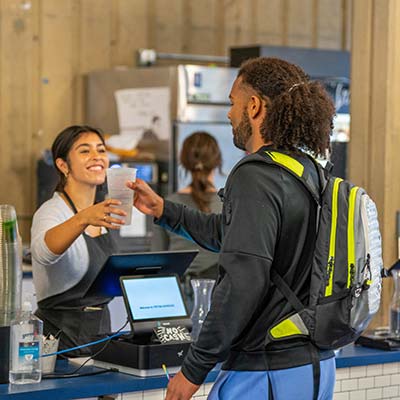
[(179, 388), (146, 200), (99, 214)]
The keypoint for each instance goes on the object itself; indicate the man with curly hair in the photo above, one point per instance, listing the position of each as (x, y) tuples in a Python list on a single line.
[(268, 223)]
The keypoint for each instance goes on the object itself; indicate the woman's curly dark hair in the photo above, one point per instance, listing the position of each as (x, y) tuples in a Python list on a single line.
[(299, 111)]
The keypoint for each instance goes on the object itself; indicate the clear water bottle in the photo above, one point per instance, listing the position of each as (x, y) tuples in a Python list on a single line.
[(26, 332)]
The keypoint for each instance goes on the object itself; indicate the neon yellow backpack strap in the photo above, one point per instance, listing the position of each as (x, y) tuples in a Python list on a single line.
[(288, 327), (288, 162)]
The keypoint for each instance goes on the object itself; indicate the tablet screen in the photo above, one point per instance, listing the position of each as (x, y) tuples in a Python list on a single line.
[(153, 297)]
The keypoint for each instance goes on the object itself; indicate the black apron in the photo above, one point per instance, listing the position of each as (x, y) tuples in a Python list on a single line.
[(76, 317)]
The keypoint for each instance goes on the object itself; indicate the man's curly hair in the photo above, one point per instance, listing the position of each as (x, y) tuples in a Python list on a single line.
[(299, 111)]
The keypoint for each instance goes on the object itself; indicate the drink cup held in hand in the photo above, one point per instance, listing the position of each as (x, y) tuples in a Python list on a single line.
[(117, 189)]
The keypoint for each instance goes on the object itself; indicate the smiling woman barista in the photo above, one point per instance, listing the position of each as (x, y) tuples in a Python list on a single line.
[(71, 240)]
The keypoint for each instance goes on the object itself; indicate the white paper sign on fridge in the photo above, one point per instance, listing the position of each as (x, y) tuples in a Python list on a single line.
[(141, 109)]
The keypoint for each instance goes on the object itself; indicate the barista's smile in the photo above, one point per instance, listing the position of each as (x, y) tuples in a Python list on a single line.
[(96, 167)]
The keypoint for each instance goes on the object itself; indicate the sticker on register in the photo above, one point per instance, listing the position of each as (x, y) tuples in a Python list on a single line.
[(200, 97), (172, 334), (197, 79)]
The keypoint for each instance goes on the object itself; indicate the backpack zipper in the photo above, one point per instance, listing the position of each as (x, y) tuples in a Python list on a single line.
[(329, 271), (332, 242), (351, 253)]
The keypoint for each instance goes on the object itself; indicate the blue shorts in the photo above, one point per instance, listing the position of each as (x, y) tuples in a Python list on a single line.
[(287, 384)]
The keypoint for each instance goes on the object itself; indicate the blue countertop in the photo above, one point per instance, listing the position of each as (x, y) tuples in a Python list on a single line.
[(74, 388), (85, 386), (115, 382), (354, 356)]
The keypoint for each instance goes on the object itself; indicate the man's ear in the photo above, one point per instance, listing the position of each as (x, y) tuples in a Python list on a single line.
[(62, 166), (255, 106)]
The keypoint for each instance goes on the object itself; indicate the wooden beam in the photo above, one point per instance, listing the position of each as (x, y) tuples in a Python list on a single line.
[(375, 121)]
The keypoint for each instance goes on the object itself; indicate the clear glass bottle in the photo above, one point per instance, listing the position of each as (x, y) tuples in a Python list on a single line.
[(395, 305), (26, 332), (202, 290)]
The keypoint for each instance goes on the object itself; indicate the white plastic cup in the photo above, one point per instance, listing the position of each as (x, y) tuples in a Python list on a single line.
[(49, 363), (117, 189)]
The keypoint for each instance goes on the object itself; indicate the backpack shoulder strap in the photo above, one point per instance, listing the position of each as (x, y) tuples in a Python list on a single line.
[(323, 172), (297, 169), (286, 291)]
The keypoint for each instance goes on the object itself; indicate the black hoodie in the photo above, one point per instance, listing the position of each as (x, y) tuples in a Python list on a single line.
[(268, 221)]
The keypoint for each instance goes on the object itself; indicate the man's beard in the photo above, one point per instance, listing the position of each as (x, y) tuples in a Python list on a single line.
[(242, 133)]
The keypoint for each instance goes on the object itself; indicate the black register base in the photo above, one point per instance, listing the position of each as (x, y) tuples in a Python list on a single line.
[(157, 313), (142, 359)]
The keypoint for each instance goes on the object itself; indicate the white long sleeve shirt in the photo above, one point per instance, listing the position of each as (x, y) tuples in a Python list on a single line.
[(53, 273)]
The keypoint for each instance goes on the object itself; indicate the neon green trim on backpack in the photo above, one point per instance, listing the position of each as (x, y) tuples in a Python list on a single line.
[(287, 161), (332, 242), (284, 329), (351, 252)]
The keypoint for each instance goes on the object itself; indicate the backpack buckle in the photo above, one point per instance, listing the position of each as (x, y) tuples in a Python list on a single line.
[(328, 166), (360, 288)]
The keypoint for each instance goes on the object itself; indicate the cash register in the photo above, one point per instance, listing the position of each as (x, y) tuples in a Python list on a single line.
[(159, 319)]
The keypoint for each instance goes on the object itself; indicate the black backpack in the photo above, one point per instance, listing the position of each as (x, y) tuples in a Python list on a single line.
[(346, 277)]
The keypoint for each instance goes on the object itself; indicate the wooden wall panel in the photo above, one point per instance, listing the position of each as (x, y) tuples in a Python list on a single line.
[(129, 30), (200, 30), (329, 24), (301, 23), (166, 22), (270, 22), (219, 23), (36, 131), (358, 160), (375, 126), (391, 137), (378, 102), (347, 8), (95, 24), (95, 27), (16, 107), (378, 158), (392, 160), (60, 45), (239, 23)]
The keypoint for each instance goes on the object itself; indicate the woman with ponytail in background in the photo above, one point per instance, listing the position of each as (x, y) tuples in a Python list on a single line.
[(200, 157)]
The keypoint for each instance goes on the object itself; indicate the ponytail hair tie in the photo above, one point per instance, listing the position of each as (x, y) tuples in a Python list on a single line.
[(199, 166), (295, 85)]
